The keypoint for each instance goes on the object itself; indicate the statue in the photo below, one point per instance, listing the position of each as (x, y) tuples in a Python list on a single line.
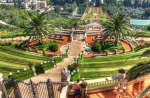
[(64, 75)]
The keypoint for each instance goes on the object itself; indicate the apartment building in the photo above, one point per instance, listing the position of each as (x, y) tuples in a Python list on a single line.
[(26, 4)]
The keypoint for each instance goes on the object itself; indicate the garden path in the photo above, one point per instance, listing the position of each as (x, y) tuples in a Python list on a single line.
[(75, 48)]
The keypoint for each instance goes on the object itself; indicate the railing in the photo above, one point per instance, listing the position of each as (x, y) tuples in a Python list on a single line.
[(46, 89), (103, 84)]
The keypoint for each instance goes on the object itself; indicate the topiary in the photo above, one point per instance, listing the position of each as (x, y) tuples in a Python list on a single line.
[(96, 47), (115, 51), (39, 69), (123, 50), (106, 52), (29, 49), (44, 52), (53, 47), (132, 49), (82, 56), (36, 50)]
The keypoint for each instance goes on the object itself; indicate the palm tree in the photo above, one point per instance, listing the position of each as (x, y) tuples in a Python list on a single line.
[(140, 47), (141, 68), (36, 27), (146, 53), (117, 27), (138, 70), (145, 91)]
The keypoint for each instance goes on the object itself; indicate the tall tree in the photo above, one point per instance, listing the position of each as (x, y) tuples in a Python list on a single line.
[(117, 27), (36, 27), (97, 3)]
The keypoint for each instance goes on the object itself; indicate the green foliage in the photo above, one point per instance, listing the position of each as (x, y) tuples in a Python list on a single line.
[(10, 14), (82, 56), (123, 49), (106, 52), (148, 28), (64, 56), (11, 34), (12, 59), (96, 47), (39, 69), (118, 27), (36, 50), (115, 52), (92, 68), (73, 67), (132, 48), (57, 9), (59, 59), (29, 49), (134, 13), (44, 45), (109, 45), (79, 60), (36, 27), (75, 76), (44, 52), (53, 47), (101, 68), (17, 53), (139, 70), (23, 75), (140, 47)]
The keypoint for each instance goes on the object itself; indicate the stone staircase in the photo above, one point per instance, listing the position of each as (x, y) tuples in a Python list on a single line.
[(75, 48)]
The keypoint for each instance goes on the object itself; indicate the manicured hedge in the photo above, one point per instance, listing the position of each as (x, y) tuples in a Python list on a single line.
[(22, 75), (39, 69)]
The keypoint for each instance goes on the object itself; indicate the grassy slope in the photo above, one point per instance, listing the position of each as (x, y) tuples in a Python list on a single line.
[(12, 59), (107, 66)]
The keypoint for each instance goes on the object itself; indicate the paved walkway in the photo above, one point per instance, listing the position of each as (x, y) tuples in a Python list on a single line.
[(55, 73), (21, 38)]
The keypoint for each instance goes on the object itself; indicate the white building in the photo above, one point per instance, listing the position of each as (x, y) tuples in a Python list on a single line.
[(27, 4)]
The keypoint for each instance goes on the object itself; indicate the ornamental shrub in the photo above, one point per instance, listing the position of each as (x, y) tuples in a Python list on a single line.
[(123, 49), (132, 49), (29, 49), (82, 56), (115, 51), (39, 69), (53, 47), (44, 52), (106, 52), (96, 47), (36, 50)]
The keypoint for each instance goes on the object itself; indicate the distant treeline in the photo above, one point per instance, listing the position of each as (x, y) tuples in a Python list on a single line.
[(131, 3)]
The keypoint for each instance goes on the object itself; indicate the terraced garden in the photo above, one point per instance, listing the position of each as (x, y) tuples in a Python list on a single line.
[(12, 60), (92, 68)]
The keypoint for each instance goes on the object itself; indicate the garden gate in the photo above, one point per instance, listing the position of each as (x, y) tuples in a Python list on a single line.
[(46, 89)]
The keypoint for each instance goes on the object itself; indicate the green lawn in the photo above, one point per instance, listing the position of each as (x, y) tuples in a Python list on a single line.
[(143, 34), (11, 60), (92, 68), (11, 34)]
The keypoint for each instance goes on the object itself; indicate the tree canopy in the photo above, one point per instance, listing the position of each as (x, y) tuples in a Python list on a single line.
[(117, 27)]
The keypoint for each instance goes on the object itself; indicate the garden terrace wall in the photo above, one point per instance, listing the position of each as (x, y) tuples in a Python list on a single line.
[(134, 88)]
